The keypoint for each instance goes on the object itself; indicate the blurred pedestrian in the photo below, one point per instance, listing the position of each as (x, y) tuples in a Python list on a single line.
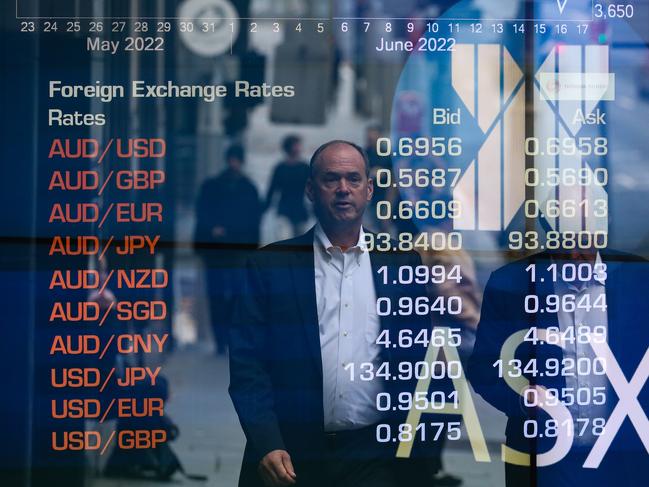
[(228, 212), (289, 180)]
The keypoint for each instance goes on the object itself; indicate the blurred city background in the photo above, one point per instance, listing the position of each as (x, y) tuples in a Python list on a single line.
[(350, 96)]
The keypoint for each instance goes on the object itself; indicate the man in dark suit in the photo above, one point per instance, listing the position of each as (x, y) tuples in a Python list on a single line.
[(305, 357), (561, 349)]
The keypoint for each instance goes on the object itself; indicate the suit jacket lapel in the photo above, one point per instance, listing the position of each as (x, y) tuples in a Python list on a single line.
[(303, 273)]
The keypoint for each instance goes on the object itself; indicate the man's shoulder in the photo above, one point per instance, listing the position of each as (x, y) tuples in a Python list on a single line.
[(288, 245), (210, 182), (249, 183), (283, 249), (214, 182), (300, 242), (518, 265), (513, 277)]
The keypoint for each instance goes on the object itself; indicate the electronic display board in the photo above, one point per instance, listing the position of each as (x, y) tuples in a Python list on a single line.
[(325, 243)]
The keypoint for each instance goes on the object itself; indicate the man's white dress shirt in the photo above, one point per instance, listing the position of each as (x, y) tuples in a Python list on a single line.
[(349, 327)]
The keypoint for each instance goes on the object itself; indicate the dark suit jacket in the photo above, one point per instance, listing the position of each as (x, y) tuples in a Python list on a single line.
[(627, 298), (275, 357)]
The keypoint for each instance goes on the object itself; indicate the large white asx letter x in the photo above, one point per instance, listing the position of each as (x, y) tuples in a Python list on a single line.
[(628, 404)]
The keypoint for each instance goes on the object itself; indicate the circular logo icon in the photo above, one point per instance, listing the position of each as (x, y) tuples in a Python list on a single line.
[(211, 26)]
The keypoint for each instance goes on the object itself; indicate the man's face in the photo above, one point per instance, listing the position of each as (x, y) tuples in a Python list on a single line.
[(235, 164), (339, 187), (296, 149)]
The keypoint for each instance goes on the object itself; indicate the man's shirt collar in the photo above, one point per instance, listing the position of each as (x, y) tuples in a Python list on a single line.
[(323, 242)]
